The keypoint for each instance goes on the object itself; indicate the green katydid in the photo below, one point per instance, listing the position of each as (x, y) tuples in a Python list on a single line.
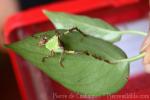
[(55, 45)]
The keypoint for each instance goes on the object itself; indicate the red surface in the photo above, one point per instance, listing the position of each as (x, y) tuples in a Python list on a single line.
[(32, 21), (77, 6)]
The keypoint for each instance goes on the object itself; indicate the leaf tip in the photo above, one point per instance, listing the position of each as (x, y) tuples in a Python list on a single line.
[(45, 11)]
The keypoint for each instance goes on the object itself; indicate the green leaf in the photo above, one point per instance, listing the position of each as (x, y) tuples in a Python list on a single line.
[(82, 74), (91, 26)]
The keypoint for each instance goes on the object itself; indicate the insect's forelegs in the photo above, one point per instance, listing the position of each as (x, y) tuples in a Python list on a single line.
[(40, 36), (52, 53), (36, 37)]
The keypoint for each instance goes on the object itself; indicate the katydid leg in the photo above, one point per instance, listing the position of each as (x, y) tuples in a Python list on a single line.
[(52, 53)]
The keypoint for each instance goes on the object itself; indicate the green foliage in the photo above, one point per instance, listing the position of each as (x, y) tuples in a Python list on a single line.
[(81, 73), (91, 26)]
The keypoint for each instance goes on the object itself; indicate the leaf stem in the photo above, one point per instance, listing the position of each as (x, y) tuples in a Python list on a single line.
[(133, 32), (141, 55), (125, 32)]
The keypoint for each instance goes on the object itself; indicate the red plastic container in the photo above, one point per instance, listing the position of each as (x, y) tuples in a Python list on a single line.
[(34, 84)]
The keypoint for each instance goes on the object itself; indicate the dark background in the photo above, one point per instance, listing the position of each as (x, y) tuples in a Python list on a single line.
[(25, 4)]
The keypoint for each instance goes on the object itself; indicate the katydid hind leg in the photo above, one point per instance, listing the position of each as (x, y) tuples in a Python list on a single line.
[(61, 59), (75, 29), (78, 30), (62, 56)]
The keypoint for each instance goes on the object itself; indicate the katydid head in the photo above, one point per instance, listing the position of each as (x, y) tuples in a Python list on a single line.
[(43, 40)]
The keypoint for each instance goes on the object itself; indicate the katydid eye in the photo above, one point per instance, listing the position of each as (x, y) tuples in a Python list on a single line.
[(45, 38)]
